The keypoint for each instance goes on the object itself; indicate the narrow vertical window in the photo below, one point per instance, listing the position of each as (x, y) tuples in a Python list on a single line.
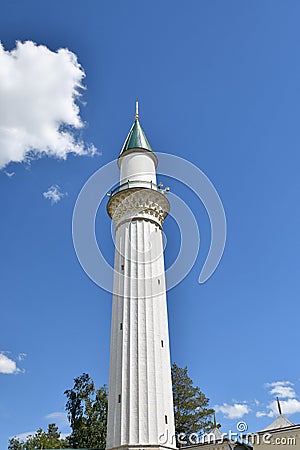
[(166, 420), (121, 326), (119, 399), (158, 281), (122, 267), (162, 343)]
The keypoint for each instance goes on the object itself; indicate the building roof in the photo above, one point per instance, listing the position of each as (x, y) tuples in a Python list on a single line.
[(213, 436), (280, 422), (136, 138)]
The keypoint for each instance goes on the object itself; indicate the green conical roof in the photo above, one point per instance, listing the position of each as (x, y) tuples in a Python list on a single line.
[(136, 138)]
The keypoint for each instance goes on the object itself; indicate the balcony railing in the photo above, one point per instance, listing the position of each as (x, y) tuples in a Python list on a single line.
[(138, 183)]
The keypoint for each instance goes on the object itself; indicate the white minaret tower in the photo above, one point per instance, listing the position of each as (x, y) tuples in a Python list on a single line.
[(140, 404)]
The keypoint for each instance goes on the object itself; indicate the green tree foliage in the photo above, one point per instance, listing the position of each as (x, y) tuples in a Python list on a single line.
[(191, 411), (15, 444), (40, 440), (87, 413)]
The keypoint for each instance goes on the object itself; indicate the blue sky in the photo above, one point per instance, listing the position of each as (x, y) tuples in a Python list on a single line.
[(218, 83)]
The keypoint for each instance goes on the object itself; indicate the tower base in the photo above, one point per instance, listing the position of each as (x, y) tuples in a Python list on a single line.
[(143, 447)]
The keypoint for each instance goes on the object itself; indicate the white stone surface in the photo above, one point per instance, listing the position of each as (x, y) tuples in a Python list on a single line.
[(138, 165), (140, 388)]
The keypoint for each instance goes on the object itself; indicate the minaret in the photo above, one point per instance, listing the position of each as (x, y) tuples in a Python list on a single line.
[(140, 404)]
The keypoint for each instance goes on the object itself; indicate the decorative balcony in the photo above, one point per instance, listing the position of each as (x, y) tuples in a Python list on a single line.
[(138, 184)]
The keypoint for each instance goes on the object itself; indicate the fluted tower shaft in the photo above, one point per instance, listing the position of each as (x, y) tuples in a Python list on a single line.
[(140, 413)]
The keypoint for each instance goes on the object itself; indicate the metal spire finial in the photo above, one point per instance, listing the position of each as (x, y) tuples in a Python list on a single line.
[(137, 109), (279, 406), (215, 420)]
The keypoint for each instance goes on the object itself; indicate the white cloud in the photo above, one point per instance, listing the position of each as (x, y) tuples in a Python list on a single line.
[(261, 414), (38, 111), (23, 436), (21, 356), (289, 406), (283, 389), (7, 365), (235, 411), (60, 418), (54, 194), (289, 402), (64, 435)]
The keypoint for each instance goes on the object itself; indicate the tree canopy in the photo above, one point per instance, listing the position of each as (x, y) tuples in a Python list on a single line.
[(87, 413), (86, 409), (40, 440), (191, 411)]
